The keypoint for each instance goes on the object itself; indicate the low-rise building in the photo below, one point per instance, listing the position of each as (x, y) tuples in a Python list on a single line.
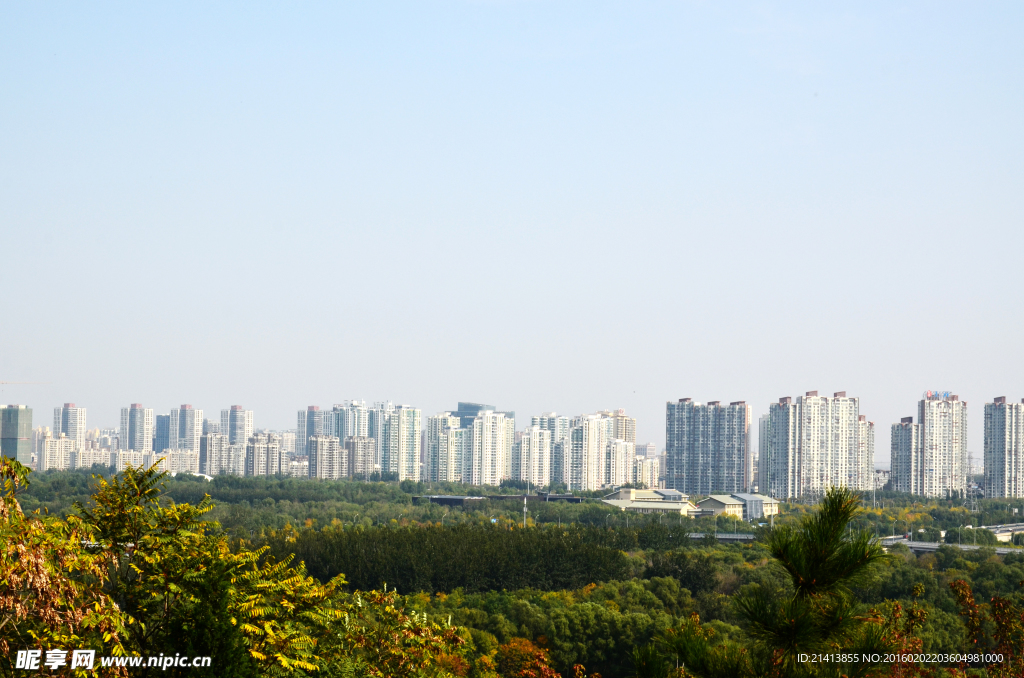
[(740, 505), (651, 501), (719, 504), (758, 506)]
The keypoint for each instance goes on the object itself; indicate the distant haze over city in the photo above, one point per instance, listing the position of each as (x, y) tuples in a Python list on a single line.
[(543, 206)]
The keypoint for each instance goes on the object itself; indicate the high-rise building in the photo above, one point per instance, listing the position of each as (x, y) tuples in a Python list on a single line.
[(16, 433), (905, 456), (487, 461), (618, 466), (377, 418), (359, 451), (263, 455), (136, 428), (763, 434), (467, 412), (214, 454), (1004, 449), (185, 428), (863, 471), (586, 453), (931, 459), (311, 421), (619, 426), (236, 423), (287, 444), (814, 444), (400, 452), (70, 420), (444, 448), (707, 447), (162, 433), (591, 454), (325, 457), (531, 457), (58, 453), (550, 421), (645, 471), (350, 419), (646, 450), (943, 419)]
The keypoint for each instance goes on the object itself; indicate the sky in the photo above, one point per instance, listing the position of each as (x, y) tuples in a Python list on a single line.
[(566, 206)]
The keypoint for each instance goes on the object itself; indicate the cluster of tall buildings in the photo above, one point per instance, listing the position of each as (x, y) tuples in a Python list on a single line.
[(810, 443), (475, 444), (805, 445)]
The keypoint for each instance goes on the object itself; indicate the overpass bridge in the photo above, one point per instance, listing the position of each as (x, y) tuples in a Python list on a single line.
[(932, 546)]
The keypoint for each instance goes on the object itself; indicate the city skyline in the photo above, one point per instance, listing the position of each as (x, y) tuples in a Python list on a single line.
[(265, 206), (882, 457)]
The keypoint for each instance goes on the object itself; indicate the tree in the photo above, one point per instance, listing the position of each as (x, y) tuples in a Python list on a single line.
[(1006, 619), (520, 658), (48, 596), (823, 561)]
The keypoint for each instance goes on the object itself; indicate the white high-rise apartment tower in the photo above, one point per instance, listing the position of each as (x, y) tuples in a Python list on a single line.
[(214, 454), (136, 428), (445, 442), (400, 451), (586, 453), (1004, 449), (531, 457), (70, 421), (263, 455), (311, 422), (359, 451), (489, 459), (376, 428), (236, 423), (707, 447), (350, 418), (325, 457), (185, 430), (814, 443), (931, 460), (619, 456)]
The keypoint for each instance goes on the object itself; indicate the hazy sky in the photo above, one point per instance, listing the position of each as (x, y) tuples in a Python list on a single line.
[(564, 206)]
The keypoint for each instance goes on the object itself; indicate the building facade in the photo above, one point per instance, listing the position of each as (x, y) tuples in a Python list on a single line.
[(236, 424), (136, 428), (1004, 449), (360, 452), (815, 443), (325, 458), (16, 433), (214, 454), (531, 457), (707, 447), (905, 456), (185, 428), (70, 420), (931, 459), (263, 455)]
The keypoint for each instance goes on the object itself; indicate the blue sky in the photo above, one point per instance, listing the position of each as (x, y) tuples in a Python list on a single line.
[(542, 205)]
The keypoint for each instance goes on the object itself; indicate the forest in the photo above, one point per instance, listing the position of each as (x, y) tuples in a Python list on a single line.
[(474, 593)]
